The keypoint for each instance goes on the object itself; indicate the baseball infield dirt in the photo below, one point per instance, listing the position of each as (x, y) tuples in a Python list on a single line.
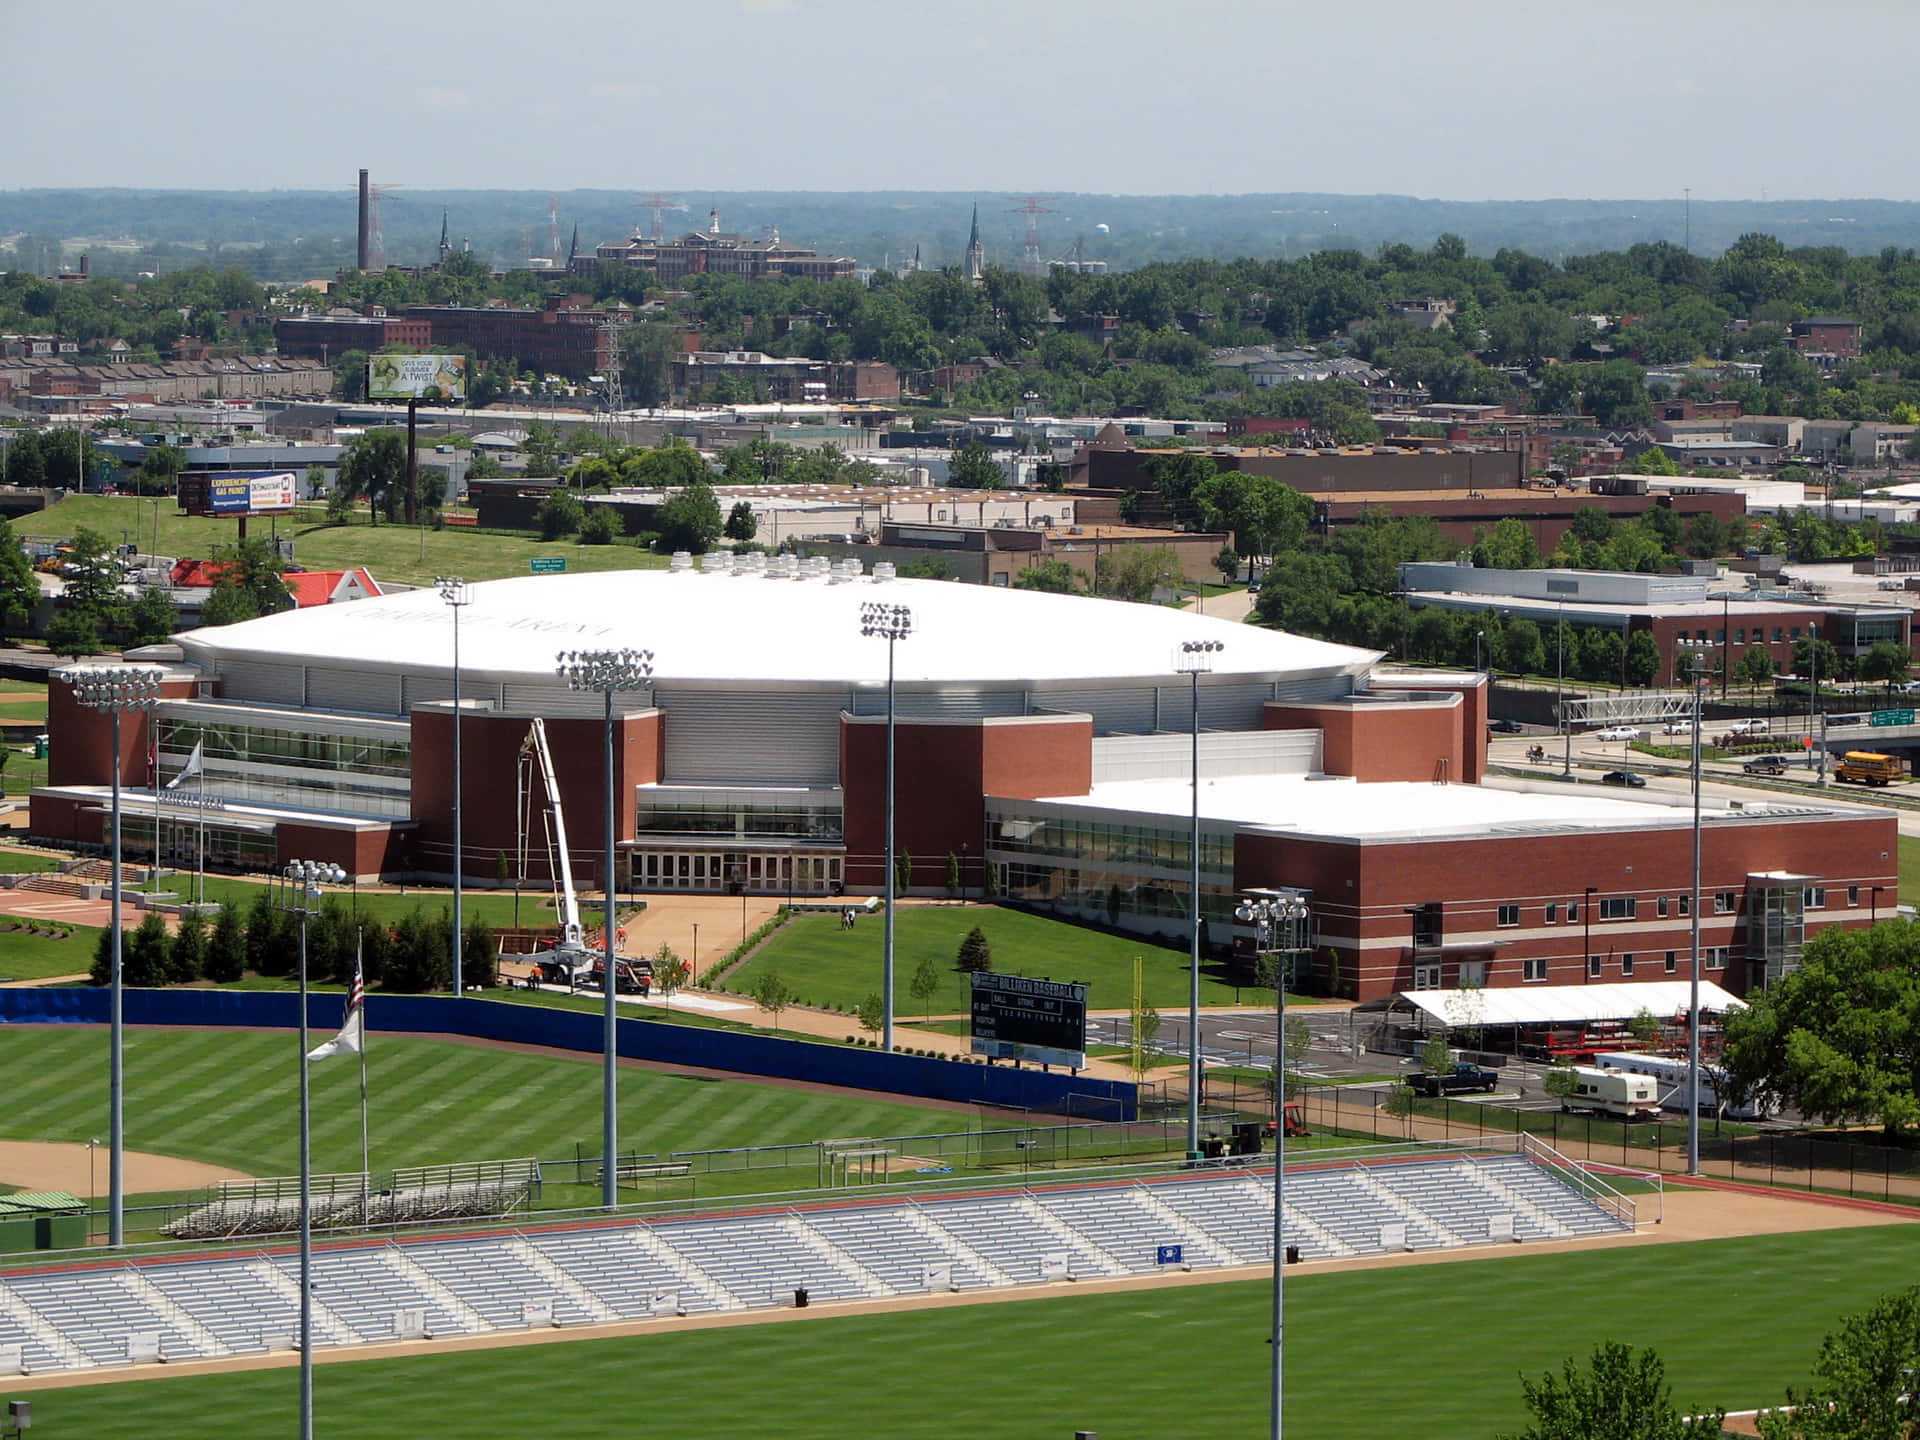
[(50, 1165)]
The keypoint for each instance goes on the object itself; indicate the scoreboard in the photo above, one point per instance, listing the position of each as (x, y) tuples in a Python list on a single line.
[(1042, 1021)]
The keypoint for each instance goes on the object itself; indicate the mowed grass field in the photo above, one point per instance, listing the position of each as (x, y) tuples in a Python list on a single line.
[(231, 1098), (826, 965), (1433, 1350), (401, 553)]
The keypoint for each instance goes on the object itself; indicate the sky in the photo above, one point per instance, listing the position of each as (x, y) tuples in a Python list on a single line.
[(1733, 99)]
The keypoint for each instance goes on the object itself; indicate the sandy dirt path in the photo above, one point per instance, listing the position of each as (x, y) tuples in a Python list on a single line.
[(63, 1165)]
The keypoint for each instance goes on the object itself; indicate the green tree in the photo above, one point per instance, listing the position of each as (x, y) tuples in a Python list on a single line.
[(670, 972), (601, 526), (187, 951), (975, 954), (1654, 461), (374, 469), (1508, 546), (145, 956), (159, 472), (871, 1012), (1264, 515), (1886, 662), (1619, 1396), (150, 619), (1054, 576), (953, 875), (1144, 1022), (924, 984), (1179, 478), (1642, 658), (1561, 1082), (74, 633), (560, 514), (1863, 1381), (689, 520), (19, 591), (227, 605), (974, 468), (771, 993), (1135, 572), (1521, 649), (255, 568), (741, 524), (1397, 1103), (1436, 1055), (902, 872), (1832, 1037), (227, 948)]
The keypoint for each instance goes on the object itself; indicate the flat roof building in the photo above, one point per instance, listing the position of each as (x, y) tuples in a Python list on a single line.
[(1043, 748)]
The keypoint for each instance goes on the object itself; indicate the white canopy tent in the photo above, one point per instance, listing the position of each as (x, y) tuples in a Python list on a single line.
[(1560, 1004)]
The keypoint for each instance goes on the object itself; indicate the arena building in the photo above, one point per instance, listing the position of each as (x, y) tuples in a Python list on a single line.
[(1043, 753)]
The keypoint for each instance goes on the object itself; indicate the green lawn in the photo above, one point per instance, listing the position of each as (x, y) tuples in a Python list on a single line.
[(230, 1097), (492, 907), (20, 862), (402, 553), (35, 957), (1371, 1355), (1909, 859), (829, 966)]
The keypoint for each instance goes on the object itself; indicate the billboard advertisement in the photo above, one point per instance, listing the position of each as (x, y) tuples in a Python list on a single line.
[(417, 377), (235, 493), (1040, 1021)]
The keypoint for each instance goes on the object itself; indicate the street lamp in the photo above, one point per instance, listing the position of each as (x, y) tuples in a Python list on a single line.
[(1559, 698), (1478, 636), (302, 898), (458, 595), (892, 623), (1279, 919), (114, 690), (1697, 652), (1194, 658), (608, 671)]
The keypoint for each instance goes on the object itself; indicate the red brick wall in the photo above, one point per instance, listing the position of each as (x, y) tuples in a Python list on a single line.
[(1385, 741), (1362, 893), (54, 817), (942, 772), (358, 852), (490, 758)]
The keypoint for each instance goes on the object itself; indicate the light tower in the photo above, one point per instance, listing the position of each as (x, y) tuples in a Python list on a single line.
[(1033, 207)]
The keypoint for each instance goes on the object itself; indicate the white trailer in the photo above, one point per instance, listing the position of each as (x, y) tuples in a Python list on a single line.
[(1669, 1074), (1613, 1092)]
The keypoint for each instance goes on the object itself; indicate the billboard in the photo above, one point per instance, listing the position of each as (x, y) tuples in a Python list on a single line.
[(417, 377), (234, 493), (1042, 1021)]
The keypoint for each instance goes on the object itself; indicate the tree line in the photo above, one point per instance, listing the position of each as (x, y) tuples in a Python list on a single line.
[(412, 954)]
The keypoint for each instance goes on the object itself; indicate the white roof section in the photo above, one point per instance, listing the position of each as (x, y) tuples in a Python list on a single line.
[(1567, 1004), (753, 628), (1342, 807)]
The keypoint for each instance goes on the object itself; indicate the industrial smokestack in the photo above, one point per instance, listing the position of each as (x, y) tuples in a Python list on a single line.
[(366, 219)]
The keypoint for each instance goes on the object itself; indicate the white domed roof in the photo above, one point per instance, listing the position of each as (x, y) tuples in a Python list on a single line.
[(757, 628)]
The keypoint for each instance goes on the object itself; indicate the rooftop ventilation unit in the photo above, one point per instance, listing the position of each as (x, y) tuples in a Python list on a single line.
[(884, 571)]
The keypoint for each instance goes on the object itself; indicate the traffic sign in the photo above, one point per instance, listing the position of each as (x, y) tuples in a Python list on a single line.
[(1891, 717), (548, 564)]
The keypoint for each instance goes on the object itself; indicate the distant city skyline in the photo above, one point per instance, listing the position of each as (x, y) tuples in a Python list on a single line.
[(1619, 99)]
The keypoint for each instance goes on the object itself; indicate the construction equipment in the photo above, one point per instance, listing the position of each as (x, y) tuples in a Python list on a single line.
[(1295, 1118), (570, 956)]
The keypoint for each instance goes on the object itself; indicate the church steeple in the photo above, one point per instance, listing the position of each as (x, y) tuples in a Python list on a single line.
[(976, 252), (446, 243), (573, 245)]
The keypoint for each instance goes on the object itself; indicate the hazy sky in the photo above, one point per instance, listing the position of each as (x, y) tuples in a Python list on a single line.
[(1457, 100)]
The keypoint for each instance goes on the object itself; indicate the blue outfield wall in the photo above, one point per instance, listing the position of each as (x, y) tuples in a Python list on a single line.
[(577, 1030)]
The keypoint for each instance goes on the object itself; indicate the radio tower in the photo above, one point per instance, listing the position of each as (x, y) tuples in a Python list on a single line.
[(553, 228), (376, 240), (1033, 207), (659, 204), (610, 371)]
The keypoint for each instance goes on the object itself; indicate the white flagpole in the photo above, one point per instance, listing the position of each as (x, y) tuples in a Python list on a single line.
[(200, 889), (366, 1177)]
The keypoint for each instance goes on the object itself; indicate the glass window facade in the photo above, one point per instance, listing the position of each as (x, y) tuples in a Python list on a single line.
[(274, 765), (812, 816), (1131, 873)]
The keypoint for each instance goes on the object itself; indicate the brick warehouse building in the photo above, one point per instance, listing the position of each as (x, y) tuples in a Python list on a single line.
[(1042, 743)]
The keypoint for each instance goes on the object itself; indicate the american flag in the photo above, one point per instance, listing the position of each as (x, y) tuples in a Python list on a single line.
[(353, 1026)]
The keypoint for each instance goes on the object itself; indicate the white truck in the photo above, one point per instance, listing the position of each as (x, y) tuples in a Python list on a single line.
[(1613, 1092)]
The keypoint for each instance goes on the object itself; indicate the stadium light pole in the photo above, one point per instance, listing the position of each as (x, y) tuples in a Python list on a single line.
[(608, 672), (302, 898), (458, 595), (1195, 658), (1696, 651), (115, 690), (1268, 911), (892, 623)]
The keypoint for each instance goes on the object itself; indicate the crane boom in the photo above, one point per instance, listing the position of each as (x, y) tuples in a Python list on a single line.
[(572, 936)]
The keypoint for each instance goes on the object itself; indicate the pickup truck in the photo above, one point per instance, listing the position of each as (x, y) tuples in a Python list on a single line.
[(1462, 1078)]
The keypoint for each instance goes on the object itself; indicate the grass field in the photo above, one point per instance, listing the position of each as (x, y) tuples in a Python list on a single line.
[(493, 908), (230, 1097), (35, 957), (830, 966), (1371, 1355), (392, 552)]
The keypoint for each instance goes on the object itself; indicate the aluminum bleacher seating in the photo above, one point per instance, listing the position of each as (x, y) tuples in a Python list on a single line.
[(758, 1259), (610, 1264), (96, 1312), (879, 1237), (493, 1281), (229, 1299)]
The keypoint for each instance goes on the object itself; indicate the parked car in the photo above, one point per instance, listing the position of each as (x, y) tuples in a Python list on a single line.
[(1617, 732), (1624, 777), (1766, 765), (1506, 727), (1757, 725), (1677, 727)]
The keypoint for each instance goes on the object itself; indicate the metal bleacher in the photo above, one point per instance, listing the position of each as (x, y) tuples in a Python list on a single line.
[(78, 1318)]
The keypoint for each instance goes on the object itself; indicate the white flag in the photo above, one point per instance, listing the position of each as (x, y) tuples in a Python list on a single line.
[(352, 1038), (196, 762)]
